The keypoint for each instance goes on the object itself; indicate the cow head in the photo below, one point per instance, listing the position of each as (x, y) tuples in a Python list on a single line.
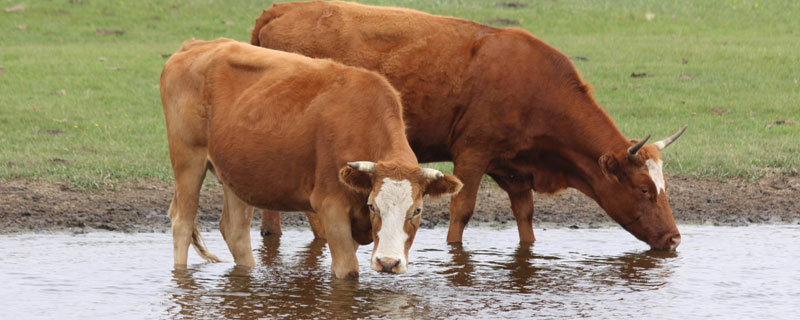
[(634, 192), (394, 200)]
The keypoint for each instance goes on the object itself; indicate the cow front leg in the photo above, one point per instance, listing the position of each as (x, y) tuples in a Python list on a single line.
[(462, 205), (235, 228), (336, 223), (316, 225), (270, 223), (522, 207)]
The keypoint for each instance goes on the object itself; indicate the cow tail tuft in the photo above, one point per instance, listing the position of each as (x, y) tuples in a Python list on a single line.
[(200, 247)]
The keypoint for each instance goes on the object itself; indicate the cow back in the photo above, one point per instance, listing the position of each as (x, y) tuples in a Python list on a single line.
[(427, 58)]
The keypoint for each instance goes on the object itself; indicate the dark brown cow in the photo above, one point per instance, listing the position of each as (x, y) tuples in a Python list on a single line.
[(281, 131), (494, 101)]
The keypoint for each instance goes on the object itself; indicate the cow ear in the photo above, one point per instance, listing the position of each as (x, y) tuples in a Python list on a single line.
[(609, 166), (359, 181), (446, 185)]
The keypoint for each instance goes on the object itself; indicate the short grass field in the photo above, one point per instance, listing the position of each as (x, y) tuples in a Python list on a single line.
[(79, 97)]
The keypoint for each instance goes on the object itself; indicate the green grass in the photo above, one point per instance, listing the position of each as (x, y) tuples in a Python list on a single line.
[(743, 57)]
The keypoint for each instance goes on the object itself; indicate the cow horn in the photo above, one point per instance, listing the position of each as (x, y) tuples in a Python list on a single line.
[(429, 173), (635, 148), (363, 166), (661, 144)]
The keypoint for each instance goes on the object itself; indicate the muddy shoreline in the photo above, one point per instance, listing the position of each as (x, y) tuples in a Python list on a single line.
[(37, 206)]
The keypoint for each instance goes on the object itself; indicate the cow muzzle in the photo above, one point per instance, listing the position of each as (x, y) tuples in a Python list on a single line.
[(668, 242), (389, 265)]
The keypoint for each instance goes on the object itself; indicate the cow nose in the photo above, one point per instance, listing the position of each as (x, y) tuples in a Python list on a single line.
[(674, 242), (666, 242), (388, 263)]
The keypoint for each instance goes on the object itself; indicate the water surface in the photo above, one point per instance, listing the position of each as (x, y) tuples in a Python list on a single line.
[(717, 272)]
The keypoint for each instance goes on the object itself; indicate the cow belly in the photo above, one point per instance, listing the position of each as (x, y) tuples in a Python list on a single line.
[(279, 201), (427, 152), (272, 175), (265, 188)]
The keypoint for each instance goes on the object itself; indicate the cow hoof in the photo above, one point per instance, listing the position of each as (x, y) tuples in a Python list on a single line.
[(266, 233)]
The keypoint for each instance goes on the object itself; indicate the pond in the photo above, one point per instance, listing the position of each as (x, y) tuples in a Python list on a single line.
[(717, 272)]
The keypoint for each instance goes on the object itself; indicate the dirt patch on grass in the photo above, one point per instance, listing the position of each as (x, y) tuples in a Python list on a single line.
[(36, 206)]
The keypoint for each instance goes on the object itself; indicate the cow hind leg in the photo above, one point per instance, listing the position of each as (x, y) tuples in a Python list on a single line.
[(520, 193), (235, 228), (270, 223), (189, 169), (522, 207)]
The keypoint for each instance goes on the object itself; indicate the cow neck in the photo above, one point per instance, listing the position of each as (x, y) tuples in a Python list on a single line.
[(401, 158), (388, 140), (400, 152), (591, 134)]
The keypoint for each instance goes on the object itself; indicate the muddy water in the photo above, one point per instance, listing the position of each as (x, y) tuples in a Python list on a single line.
[(748, 272)]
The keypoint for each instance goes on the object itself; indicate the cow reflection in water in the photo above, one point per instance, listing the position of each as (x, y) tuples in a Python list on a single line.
[(292, 286), (290, 283), (462, 269), (193, 296), (529, 272), (638, 270)]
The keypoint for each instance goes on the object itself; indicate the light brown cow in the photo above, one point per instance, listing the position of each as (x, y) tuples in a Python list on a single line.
[(281, 131), (494, 101)]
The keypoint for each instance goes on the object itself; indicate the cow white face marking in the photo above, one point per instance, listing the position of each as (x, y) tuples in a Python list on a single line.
[(393, 201), (657, 174)]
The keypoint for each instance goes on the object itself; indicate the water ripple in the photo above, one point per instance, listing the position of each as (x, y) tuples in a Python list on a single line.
[(600, 273)]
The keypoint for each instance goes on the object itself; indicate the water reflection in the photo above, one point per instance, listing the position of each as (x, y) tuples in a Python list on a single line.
[(297, 282), (523, 269), (461, 270), (568, 274), (198, 297), (528, 272), (283, 288), (647, 270), (185, 285), (248, 293), (269, 252)]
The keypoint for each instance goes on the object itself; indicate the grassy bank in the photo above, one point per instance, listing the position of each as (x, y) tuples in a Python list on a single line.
[(79, 98)]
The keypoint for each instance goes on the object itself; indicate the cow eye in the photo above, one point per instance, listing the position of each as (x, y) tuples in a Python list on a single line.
[(371, 207), (644, 190), (417, 211)]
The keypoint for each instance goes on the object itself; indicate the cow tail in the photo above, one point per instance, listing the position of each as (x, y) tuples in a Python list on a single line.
[(200, 247), (266, 16)]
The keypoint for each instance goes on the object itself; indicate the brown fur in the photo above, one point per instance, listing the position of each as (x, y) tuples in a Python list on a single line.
[(494, 101), (277, 128)]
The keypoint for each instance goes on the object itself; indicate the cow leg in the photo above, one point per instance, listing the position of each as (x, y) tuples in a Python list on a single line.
[(336, 223), (270, 223), (521, 195), (522, 207), (462, 205), (235, 228), (189, 168), (316, 225)]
